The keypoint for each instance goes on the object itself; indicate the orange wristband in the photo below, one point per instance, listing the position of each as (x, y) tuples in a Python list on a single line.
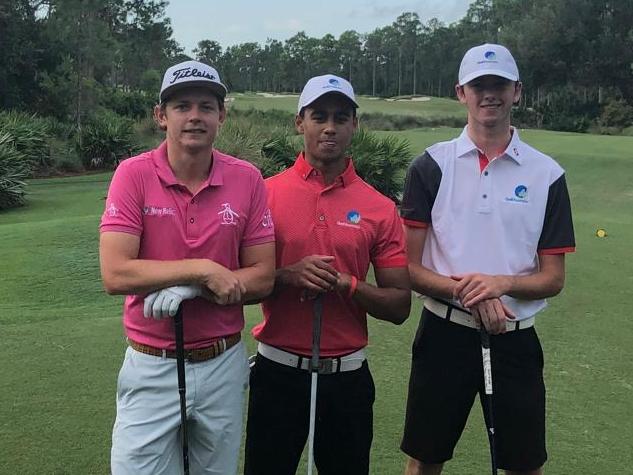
[(352, 287)]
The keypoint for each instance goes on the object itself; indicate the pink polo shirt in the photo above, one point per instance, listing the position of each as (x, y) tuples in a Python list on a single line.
[(228, 213)]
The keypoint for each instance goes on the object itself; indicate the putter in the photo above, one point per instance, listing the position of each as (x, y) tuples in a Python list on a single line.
[(485, 353), (314, 369), (182, 388)]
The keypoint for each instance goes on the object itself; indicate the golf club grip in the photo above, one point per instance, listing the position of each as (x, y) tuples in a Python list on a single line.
[(316, 332), (182, 387)]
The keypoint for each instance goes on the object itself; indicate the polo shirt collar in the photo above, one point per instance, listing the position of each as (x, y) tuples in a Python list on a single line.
[(305, 170), (514, 149), (166, 174)]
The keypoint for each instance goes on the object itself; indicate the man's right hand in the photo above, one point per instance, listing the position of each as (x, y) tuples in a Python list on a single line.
[(314, 274), (225, 286), (493, 314)]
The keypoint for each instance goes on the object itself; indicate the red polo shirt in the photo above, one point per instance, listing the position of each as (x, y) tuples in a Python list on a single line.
[(347, 219), (227, 214)]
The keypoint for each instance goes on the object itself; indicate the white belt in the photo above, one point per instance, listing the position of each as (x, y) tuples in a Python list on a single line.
[(345, 363), (456, 315)]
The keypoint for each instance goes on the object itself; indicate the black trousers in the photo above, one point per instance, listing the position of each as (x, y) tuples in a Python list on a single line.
[(279, 417)]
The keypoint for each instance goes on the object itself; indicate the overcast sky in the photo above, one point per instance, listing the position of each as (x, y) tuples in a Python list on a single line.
[(231, 22)]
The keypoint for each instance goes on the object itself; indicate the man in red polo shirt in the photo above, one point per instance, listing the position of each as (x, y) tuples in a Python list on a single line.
[(488, 223), (330, 225), (184, 222)]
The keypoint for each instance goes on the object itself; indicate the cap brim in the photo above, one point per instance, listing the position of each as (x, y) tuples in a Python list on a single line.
[(216, 88), (487, 72), (312, 99)]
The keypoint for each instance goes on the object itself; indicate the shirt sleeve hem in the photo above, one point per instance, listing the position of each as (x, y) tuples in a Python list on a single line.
[(400, 261), (414, 224), (119, 229), (556, 250)]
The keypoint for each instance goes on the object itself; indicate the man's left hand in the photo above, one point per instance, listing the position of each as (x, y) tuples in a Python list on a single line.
[(165, 302)]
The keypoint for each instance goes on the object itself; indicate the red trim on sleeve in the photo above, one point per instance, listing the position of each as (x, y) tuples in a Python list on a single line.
[(414, 224), (396, 261), (556, 250)]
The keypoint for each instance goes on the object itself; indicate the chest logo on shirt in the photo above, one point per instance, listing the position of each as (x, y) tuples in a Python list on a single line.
[(158, 211), (227, 215), (520, 194), (352, 220)]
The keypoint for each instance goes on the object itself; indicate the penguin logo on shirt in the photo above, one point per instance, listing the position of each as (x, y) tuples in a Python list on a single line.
[(228, 215)]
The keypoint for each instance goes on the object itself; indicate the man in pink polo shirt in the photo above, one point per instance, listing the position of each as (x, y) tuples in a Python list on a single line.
[(330, 226), (184, 223)]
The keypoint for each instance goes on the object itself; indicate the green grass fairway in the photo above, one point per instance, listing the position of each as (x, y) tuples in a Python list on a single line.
[(433, 107), (62, 339)]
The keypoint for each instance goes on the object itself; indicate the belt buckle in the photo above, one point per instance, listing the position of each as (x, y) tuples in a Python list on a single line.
[(326, 366)]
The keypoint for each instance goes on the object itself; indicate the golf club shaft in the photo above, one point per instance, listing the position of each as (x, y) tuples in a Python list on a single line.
[(314, 368), (487, 367), (182, 388)]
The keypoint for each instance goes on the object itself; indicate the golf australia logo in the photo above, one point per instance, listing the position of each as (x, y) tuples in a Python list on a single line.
[(229, 217), (352, 220), (520, 195), (333, 82), (489, 57)]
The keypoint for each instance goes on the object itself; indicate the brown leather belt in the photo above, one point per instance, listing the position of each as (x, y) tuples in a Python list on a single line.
[(194, 355)]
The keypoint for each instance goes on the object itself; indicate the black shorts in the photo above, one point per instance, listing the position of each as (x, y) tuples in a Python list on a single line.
[(446, 374), (279, 415)]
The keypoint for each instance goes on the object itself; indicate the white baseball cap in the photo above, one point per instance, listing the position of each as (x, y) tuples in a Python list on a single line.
[(320, 85), (495, 60), (191, 74)]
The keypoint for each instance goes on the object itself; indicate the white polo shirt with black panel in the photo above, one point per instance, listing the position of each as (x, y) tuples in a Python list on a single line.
[(489, 217)]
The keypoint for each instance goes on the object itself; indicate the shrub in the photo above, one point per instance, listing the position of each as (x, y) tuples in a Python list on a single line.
[(105, 140), (29, 135), (381, 161), (616, 113), (279, 152), (132, 104), (14, 168)]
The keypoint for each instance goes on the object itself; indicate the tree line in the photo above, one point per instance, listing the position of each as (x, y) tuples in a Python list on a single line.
[(63, 58)]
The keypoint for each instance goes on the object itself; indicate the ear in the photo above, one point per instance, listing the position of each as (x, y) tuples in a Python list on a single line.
[(459, 90), (160, 116), (518, 89), (299, 124), (222, 116), (355, 122)]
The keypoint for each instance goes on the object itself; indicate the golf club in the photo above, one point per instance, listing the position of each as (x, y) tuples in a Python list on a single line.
[(182, 388), (314, 369), (485, 353)]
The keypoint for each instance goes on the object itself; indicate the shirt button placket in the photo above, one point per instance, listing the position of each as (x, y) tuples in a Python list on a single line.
[(484, 198)]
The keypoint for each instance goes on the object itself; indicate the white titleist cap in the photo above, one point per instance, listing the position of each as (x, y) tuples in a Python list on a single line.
[(191, 74), (495, 60), (319, 85)]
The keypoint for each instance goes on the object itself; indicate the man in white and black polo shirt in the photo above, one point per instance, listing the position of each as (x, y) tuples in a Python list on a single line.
[(488, 223)]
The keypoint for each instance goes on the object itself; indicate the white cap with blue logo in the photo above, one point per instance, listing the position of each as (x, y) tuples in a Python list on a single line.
[(320, 85), (488, 59)]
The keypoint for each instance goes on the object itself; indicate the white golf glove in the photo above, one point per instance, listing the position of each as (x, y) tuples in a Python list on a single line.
[(164, 303)]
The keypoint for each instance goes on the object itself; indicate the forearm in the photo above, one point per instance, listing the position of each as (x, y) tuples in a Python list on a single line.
[(429, 283), (258, 280), (534, 286), (138, 276), (384, 303)]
